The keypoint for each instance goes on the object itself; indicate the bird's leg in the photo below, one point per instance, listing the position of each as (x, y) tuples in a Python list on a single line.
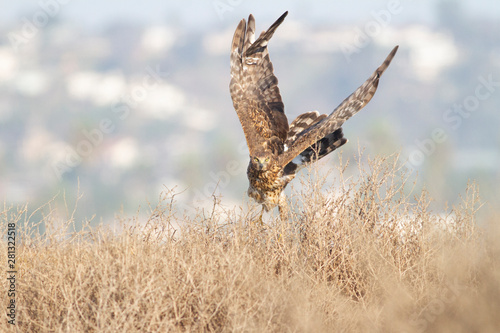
[(259, 219), (283, 209)]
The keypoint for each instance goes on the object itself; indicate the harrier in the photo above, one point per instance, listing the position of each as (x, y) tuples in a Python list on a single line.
[(278, 150)]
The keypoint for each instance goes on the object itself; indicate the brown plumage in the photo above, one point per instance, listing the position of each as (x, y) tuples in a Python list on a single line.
[(278, 151)]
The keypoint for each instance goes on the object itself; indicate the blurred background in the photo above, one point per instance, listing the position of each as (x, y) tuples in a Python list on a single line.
[(116, 101)]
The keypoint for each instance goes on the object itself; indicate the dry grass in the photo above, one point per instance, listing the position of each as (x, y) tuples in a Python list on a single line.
[(372, 258)]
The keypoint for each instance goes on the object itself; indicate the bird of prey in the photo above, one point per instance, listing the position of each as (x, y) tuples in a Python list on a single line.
[(278, 150)]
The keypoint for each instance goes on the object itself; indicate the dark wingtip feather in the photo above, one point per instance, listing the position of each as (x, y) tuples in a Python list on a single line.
[(265, 36), (278, 21), (387, 61)]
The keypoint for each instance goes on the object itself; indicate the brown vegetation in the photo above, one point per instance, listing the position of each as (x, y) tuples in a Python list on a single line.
[(368, 256)]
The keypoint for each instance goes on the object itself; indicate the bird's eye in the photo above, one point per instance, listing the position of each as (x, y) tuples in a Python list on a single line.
[(267, 159), (256, 159)]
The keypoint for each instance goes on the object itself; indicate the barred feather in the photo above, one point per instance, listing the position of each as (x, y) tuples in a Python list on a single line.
[(278, 151), (301, 123), (349, 107), (254, 89)]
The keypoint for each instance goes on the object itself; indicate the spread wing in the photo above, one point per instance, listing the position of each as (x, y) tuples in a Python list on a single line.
[(349, 107), (254, 88)]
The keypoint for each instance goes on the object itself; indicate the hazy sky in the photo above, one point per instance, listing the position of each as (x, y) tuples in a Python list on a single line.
[(211, 18), (200, 14)]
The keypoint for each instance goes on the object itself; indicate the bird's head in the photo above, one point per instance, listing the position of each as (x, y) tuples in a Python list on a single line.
[(260, 162)]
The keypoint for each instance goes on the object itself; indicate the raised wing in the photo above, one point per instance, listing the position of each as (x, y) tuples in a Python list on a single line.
[(349, 107), (254, 87)]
